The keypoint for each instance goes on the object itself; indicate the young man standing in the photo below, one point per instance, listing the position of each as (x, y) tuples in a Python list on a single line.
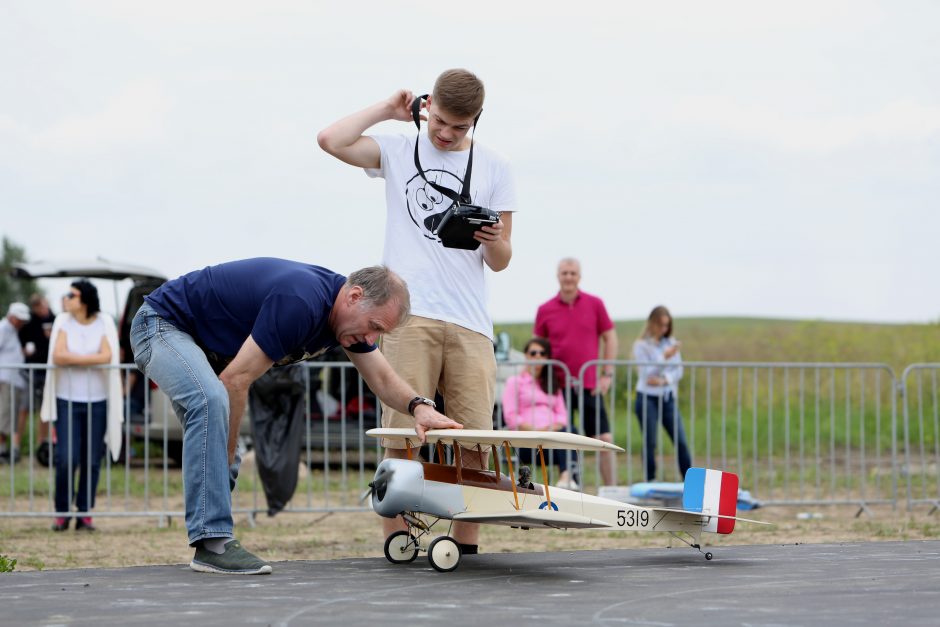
[(573, 321), (447, 345)]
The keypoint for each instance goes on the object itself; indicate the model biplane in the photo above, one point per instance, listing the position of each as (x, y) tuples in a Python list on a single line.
[(424, 494)]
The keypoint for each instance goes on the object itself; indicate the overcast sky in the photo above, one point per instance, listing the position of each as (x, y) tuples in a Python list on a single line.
[(723, 158)]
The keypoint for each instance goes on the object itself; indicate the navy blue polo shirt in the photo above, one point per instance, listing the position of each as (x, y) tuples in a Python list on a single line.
[(284, 305)]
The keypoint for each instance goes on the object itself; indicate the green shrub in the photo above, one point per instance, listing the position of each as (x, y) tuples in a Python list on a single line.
[(7, 564)]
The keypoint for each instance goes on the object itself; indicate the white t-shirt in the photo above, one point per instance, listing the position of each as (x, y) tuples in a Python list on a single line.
[(445, 283), (83, 384), (11, 352)]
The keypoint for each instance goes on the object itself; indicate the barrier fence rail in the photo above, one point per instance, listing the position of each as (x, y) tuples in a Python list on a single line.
[(921, 464), (796, 433)]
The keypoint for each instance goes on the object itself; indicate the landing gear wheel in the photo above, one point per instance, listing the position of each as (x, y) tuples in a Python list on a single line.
[(401, 547), (444, 554), (708, 557)]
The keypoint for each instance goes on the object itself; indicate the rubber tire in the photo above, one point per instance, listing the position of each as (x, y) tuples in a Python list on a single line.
[(394, 544), (708, 557), (444, 554)]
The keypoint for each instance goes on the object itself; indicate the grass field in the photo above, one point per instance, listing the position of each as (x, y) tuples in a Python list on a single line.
[(769, 340)]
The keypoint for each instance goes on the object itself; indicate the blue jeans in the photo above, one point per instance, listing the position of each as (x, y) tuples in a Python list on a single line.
[(651, 411), (78, 452), (173, 360)]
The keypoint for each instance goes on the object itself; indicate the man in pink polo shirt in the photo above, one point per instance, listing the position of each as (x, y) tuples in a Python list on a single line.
[(573, 321)]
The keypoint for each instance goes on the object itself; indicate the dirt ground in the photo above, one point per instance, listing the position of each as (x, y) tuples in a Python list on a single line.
[(288, 536)]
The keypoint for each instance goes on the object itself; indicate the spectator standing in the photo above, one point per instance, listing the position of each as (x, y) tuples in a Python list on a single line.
[(657, 389), (84, 402), (575, 322), (534, 400), (34, 337), (447, 345), (11, 378)]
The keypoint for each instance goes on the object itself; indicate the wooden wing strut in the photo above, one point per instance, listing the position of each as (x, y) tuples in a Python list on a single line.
[(512, 475), (548, 497)]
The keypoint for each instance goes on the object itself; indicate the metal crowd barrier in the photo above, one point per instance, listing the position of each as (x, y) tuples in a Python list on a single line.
[(336, 457), (795, 433), (921, 406)]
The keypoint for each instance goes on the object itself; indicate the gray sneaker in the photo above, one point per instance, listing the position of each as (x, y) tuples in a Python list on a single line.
[(235, 561)]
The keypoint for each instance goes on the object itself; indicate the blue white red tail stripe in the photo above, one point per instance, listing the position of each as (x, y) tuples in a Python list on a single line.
[(711, 492)]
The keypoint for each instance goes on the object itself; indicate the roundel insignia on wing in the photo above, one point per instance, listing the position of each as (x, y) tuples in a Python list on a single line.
[(545, 505)]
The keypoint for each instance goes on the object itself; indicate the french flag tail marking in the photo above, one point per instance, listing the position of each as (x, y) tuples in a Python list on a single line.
[(712, 492)]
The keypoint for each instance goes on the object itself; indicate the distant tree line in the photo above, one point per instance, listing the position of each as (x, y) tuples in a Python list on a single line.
[(13, 290)]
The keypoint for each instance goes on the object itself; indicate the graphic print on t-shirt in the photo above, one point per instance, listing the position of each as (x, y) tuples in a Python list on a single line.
[(426, 205)]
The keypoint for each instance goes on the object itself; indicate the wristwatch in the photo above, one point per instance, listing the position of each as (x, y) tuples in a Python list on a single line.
[(419, 400)]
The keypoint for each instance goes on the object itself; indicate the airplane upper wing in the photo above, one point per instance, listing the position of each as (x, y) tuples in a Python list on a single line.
[(549, 519), (516, 439)]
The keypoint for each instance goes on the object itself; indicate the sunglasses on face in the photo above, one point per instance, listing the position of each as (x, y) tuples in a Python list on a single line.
[(535, 353), (70, 295)]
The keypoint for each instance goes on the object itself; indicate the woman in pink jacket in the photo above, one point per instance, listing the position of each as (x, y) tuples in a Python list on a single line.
[(534, 401)]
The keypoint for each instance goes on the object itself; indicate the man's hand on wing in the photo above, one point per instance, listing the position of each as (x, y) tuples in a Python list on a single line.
[(426, 417)]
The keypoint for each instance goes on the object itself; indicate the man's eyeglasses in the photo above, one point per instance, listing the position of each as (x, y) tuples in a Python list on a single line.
[(535, 353), (70, 295)]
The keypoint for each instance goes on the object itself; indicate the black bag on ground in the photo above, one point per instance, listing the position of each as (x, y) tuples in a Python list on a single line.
[(462, 219), (276, 403)]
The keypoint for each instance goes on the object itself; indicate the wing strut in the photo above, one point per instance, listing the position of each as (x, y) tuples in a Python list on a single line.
[(457, 461), (495, 461), (512, 475), (548, 497)]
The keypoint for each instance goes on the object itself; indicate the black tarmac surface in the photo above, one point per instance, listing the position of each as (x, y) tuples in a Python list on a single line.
[(823, 584)]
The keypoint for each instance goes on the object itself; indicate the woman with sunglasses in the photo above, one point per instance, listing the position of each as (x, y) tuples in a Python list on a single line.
[(657, 386), (533, 400), (87, 403)]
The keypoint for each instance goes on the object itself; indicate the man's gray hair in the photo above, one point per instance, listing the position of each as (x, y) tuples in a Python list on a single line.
[(379, 285)]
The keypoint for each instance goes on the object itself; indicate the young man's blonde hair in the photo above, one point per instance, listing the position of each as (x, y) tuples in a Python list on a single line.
[(459, 92)]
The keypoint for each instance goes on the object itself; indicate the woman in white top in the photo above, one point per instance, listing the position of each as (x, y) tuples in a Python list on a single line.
[(81, 403), (660, 370)]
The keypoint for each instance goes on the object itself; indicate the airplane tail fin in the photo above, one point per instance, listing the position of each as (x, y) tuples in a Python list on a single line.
[(712, 492)]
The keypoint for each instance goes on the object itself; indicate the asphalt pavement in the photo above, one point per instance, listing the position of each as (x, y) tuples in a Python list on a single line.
[(822, 584)]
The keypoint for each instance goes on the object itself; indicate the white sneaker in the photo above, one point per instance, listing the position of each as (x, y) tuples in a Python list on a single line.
[(568, 485)]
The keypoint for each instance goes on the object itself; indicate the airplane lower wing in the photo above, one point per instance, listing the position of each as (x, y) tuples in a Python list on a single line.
[(549, 519), (707, 515)]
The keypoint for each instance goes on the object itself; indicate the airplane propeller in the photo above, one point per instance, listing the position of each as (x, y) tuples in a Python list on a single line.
[(379, 483)]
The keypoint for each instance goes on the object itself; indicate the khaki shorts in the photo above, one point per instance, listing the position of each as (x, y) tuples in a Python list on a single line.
[(431, 356)]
